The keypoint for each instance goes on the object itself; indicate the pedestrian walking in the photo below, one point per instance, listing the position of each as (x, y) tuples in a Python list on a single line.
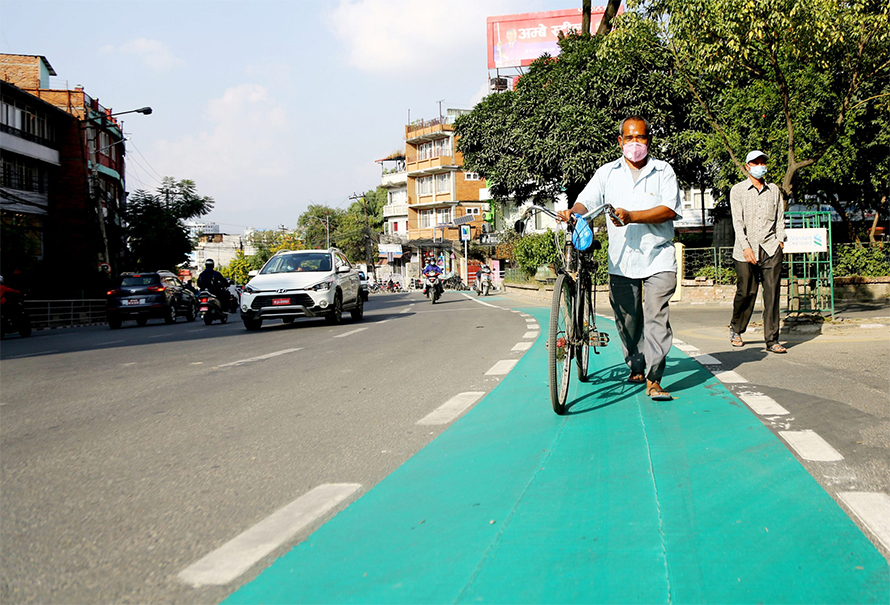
[(758, 220), (642, 261)]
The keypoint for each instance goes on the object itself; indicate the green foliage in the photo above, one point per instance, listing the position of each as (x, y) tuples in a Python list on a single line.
[(856, 259), (267, 243), (237, 269), (315, 224), (536, 249), (725, 275), (156, 234)]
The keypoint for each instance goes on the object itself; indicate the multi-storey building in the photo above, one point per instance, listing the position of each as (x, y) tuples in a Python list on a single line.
[(442, 196), (86, 195)]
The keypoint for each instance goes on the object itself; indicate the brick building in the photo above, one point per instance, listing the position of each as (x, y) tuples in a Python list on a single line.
[(73, 150)]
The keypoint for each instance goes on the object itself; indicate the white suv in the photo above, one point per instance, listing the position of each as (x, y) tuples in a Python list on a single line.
[(304, 283)]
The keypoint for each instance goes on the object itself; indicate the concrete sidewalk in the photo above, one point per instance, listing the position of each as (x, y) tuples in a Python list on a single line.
[(623, 500)]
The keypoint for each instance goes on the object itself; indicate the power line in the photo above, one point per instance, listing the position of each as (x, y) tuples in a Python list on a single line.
[(146, 159)]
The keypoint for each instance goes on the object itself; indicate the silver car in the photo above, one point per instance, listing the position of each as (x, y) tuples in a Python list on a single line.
[(304, 283)]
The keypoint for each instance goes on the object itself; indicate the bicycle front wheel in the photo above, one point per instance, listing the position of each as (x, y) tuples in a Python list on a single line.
[(559, 345), (588, 324)]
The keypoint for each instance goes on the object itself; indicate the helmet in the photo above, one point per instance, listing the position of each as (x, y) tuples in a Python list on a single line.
[(208, 263)]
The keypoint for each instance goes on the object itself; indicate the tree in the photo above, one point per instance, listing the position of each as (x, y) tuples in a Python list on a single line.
[(317, 223), (358, 232), (156, 233), (560, 124), (785, 76), (267, 243), (238, 268)]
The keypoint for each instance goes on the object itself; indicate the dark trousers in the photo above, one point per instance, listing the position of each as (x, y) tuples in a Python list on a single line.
[(769, 271)]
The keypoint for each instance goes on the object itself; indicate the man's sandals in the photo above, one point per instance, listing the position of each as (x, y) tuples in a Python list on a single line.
[(637, 378), (735, 339), (776, 348), (656, 393)]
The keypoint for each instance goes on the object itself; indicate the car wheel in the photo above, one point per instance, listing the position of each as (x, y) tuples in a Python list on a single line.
[(359, 311), (336, 314), (170, 315), (141, 320), (191, 314), (114, 323), (253, 324)]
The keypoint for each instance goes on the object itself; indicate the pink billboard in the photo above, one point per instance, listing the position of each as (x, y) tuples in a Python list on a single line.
[(517, 40)]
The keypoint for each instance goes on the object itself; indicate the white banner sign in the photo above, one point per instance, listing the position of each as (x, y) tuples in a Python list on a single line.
[(390, 248), (806, 240)]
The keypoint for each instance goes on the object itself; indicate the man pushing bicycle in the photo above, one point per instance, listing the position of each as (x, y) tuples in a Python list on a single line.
[(642, 261)]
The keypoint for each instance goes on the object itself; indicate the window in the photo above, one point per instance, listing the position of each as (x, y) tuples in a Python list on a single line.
[(395, 227), (425, 185), (471, 176), (472, 212), (443, 183), (443, 215), (426, 218), (434, 149)]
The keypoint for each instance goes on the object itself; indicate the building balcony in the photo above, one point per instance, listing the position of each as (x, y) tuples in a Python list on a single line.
[(394, 179), (395, 210), (437, 165)]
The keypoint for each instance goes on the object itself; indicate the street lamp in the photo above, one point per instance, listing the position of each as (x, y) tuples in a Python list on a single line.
[(142, 110)]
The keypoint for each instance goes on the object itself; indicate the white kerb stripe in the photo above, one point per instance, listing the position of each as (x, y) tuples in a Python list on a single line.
[(259, 358), (350, 333), (762, 404), (707, 360), (239, 554), (502, 367), (873, 509), (686, 348), (529, 335), (452, 408), (728, 377), (810, 446), (522, 346)]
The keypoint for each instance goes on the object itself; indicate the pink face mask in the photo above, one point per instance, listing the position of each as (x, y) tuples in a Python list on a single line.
[(635, 152)]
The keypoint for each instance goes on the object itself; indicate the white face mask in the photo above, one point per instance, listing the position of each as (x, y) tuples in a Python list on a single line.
[(758, 171)]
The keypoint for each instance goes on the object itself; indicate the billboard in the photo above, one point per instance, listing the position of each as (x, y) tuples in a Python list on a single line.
[(517, 40)]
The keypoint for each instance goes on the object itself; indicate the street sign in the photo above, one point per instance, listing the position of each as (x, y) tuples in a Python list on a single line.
[(805, 240), (464, 233)]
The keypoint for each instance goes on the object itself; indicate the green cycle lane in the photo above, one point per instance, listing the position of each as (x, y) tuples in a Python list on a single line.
[(623, 500)]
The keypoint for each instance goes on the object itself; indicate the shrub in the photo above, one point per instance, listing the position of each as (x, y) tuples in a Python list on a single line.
[(856, 259)]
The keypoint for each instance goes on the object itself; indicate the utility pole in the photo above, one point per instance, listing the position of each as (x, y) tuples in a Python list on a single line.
[(440, 110)]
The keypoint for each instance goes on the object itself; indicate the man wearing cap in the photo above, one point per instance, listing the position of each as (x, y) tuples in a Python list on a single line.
[(758, 220)]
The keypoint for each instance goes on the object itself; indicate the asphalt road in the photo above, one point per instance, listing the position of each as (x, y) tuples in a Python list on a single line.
[(128, 455)]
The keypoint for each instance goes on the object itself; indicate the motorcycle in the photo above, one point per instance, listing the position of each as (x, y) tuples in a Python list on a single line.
[(14, 317), (483, 284), (209, 308), (433, 287)]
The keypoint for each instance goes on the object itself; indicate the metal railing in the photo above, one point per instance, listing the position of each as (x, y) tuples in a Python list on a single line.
[(64, 313), (713, 264)]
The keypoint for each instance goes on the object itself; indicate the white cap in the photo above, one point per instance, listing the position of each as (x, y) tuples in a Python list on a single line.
[(754, 155)]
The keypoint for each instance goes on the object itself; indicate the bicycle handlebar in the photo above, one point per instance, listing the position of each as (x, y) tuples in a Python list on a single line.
[(590, 213)]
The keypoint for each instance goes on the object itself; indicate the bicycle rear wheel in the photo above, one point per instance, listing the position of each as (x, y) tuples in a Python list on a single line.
[(559, 344), (588, 323)]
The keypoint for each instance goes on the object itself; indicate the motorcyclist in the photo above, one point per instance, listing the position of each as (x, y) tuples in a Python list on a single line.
[(431, 269), (483, 270), (7, 294), (212, 280), (233, 293)]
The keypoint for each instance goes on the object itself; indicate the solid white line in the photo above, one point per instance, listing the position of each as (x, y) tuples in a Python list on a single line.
[(687, 348), (502, 367), (452, 408), (531, 334), (707, 360), (762, 404), (351, 332), (810, 446), (873, 509), (259, 358), (480, 302), (522, 346), (728, 377), (32, 354), (239, 554)]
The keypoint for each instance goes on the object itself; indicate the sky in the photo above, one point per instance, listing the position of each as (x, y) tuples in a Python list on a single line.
[(268, 105)]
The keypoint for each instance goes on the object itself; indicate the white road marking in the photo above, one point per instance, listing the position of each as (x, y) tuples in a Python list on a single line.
[(687, 348), (198, 330), (810, 446), (351, 332), (452, 408), (239, 554), (110, 342), (480, 302), (762, 404), (522, 346), (873, 509), (728, 377), (677, 341), (383, 321), (707, 360), (502, 367), (530, 334), (32, 354), (406, 310), (258, 358)]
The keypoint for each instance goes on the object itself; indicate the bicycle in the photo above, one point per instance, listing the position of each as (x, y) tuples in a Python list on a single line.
[(572, 329)]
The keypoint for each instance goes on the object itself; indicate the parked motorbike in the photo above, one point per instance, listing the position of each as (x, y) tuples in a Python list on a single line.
[(209, 308), (433, 287), (14, 317), (483, 284)]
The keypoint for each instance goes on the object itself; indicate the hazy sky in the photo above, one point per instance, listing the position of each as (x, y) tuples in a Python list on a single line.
[(266, 104)]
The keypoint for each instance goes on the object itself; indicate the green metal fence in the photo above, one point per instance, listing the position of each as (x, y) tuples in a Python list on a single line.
[(809, 287)]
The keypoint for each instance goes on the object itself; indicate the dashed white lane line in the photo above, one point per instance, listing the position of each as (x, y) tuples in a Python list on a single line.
[(452, 408), (522, 346), (259, 358), (32, 354), (350, 333), (811, 446), (873, 509), (502, 367), (238, 555), (109, 342), (728, 377), (406, 310), (762, 404), (530, 334)]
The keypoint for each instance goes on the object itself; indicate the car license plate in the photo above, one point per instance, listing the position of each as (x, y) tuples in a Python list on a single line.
[(204, 309), (280, 301), (135, 301)]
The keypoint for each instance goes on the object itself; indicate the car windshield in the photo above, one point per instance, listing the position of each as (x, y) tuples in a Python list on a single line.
[(140, 280), (298, 263)]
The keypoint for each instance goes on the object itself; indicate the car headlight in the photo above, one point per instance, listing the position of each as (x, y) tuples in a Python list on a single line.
[(323, 286), (248, 289)]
